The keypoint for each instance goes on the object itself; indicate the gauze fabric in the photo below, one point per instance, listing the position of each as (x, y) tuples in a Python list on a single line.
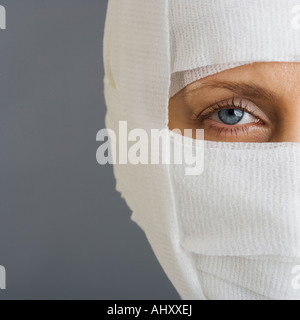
[(208, 37), (240, 219), (145, 44)]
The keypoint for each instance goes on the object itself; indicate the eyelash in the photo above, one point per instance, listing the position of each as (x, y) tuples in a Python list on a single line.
[(217, 107), (227, 105), (233, 131)]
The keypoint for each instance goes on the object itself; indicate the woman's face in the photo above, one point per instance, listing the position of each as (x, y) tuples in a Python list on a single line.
[(252, 103)]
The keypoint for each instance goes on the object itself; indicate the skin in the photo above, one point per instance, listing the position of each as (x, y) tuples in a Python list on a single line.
[(270, 91)]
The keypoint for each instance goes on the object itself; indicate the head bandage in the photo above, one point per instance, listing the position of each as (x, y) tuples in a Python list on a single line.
[(235, 242)]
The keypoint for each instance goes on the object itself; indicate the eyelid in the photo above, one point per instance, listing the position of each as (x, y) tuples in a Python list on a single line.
[(234, 103)]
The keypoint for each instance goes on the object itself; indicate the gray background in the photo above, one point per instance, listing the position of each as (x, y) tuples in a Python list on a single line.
[(64, 231)]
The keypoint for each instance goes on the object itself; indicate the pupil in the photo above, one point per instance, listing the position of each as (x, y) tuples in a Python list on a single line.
[(231, 116)]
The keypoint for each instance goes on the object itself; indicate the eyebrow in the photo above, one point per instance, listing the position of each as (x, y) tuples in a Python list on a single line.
[(250, 90)]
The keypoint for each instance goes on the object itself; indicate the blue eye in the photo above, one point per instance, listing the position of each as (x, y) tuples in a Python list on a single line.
[(231, 116), (231, 113)]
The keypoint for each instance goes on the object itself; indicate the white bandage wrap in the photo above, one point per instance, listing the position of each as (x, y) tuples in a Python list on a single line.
[(240, 219), (233, 232)]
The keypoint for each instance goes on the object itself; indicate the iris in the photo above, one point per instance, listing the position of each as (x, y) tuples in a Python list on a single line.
[(231, 116)]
